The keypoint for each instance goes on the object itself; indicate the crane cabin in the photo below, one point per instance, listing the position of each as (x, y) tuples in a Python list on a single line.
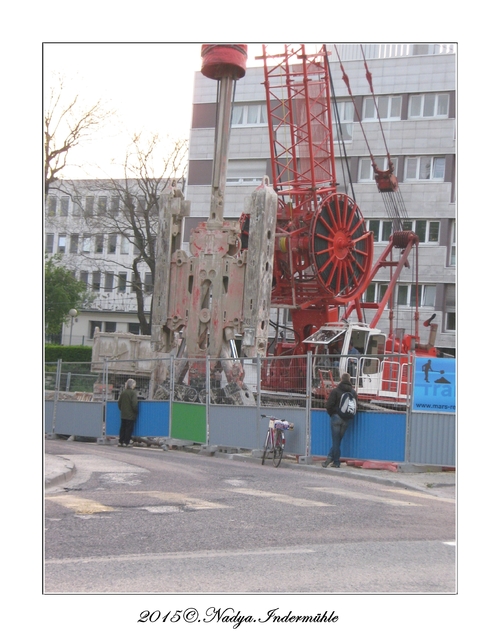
[(360, 351)]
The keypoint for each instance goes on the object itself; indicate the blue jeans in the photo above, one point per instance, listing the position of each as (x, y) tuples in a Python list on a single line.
[(338, 428)]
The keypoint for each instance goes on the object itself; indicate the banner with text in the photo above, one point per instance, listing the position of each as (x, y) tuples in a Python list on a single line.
[(434, 386)]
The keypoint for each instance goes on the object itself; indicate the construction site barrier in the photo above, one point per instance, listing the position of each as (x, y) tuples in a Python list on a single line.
[(218, 415)]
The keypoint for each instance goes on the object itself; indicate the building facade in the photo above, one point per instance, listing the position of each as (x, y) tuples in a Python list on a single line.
[(103, 230), (414, 87)]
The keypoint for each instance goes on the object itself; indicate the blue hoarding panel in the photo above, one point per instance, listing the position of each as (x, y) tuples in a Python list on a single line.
[(153, 420), (370, 436), (434, 386)]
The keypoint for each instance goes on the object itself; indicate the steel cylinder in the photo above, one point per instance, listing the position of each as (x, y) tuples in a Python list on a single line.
[(402, 238), (224, 60)]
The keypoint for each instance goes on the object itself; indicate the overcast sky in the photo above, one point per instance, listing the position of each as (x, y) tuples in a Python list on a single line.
[(149, 85)]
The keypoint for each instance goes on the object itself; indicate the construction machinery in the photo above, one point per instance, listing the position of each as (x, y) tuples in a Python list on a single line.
[(300, 252), (323, 260), (202, 301)]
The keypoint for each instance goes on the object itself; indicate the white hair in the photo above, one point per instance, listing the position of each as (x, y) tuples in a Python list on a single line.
[(130, 384)]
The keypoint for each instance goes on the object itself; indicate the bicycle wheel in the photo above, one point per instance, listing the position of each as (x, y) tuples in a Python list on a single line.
[(278, 448), (267, 446)]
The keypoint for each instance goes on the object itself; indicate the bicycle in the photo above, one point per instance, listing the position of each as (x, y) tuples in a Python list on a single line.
[(275, 439)]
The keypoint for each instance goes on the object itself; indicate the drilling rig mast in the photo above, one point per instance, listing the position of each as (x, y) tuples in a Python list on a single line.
[(219, 290)]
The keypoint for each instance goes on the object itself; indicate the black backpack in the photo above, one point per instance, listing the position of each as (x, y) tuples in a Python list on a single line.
[(347, 406)]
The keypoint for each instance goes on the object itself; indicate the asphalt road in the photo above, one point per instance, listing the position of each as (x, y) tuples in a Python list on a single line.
[(150, 521)]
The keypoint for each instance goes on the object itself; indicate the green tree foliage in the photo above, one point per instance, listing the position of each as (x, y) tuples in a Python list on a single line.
[(62, 293)]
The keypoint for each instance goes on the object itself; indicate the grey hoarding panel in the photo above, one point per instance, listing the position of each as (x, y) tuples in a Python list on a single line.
[(79, 419), (243, 427), (432, 439)]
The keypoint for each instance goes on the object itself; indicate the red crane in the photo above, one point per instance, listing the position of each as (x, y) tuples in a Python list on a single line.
[(304, 247), (323, 259), (323, 251)]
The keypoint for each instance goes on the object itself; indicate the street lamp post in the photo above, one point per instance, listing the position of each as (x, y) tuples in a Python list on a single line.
[(72, 313)]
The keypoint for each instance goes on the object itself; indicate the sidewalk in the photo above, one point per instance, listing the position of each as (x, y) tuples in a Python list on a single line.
[(427, 479)]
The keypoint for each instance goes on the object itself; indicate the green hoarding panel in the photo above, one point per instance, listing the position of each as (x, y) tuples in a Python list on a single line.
[(189, 422)]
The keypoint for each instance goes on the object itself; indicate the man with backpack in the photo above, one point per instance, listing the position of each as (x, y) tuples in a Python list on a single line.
[(341, 406)]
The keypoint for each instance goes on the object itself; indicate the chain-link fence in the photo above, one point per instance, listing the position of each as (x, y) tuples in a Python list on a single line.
[(281, 381), (72, 381)]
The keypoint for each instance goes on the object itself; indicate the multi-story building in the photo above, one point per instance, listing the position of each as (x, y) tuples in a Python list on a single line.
[(414, 88), (89, 223)]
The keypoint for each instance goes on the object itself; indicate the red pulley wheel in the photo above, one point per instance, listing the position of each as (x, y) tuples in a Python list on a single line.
[(341, 248)]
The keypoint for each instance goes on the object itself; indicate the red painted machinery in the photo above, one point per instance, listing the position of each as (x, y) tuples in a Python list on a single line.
[(323, 259), (302, 247), (323, 252)]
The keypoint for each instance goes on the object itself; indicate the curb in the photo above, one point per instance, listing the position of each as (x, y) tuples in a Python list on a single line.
[(65, 472), (344, 472)]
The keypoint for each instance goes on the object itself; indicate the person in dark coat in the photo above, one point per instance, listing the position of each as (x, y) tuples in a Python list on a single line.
[(338, 425), (129, 408)]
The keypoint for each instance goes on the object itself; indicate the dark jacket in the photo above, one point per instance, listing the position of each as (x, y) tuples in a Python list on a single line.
[(334, 398), (128, 404)]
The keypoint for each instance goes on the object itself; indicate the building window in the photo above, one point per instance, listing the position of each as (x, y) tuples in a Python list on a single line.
[(102, 205), (450, 322), (389, 107), (99, 243), (366, 172), (108, 281), (64, 206), (375, 292), (141, 206), (245, 171), (125, 245), (249, 114), (452, 260), (61, 244), (382, 230), (344, 117), (77, 206), (89, 206), (449, 308), (92, 327), (407, 295), (49, 243), (134, 328), (86, 243), (51, 206), (110, 326), (426, 231), (148, 283), (96, 281), (115, 205), (136, 249), (424, 168), (429, 105), (84, 277), (73, 244), (122, 281), (112, 241)]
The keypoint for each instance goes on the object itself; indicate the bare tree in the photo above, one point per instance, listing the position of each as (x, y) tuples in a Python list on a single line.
[(68, 122), (151, 167)]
